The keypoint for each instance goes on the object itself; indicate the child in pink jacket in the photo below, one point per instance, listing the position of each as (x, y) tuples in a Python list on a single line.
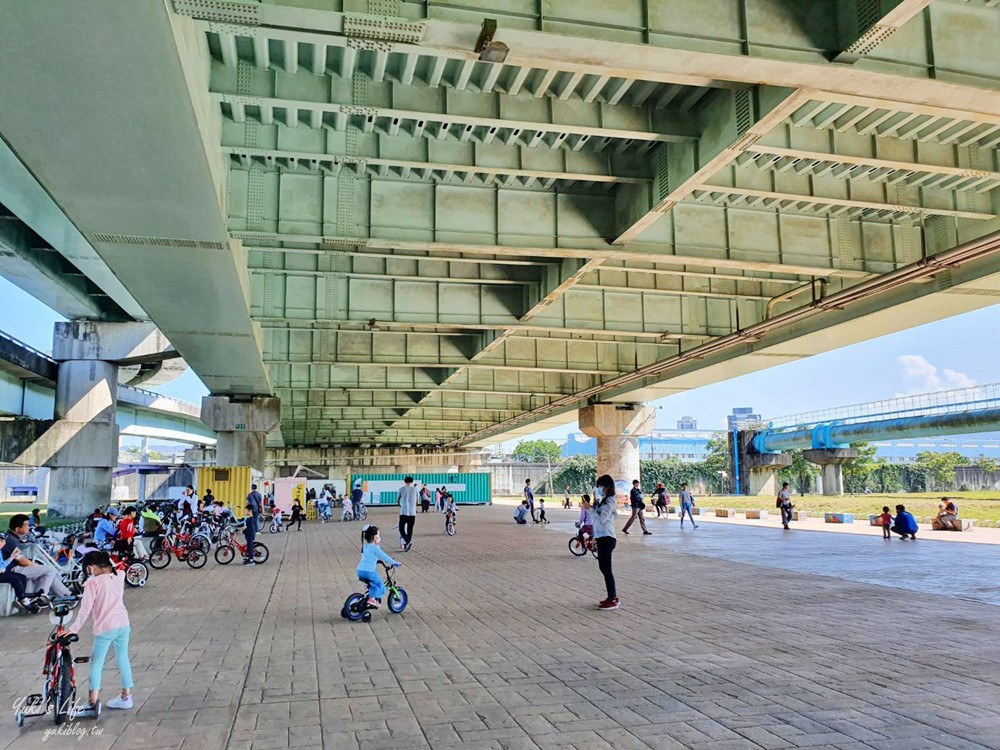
[(102, 599)]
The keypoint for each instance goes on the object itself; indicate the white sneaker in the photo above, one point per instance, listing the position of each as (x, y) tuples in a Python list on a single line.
[(119, 702)]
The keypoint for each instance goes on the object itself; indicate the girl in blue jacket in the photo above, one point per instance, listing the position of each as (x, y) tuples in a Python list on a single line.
[(371, 554)]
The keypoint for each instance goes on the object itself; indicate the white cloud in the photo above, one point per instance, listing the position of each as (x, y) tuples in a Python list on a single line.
[(923, 377)]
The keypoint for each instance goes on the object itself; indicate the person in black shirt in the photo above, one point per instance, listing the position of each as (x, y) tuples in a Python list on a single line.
[(638, 506)]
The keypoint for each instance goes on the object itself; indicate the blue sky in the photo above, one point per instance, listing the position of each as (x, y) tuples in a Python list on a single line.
[(948, 354)]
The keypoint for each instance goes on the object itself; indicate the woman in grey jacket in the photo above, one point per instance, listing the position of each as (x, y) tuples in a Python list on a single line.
[(605, 509)]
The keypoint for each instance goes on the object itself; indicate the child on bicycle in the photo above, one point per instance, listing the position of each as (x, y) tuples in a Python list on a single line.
[(371, 554), (586, 522), (449, 510), (102, 598), (276, 517), (250, 532)]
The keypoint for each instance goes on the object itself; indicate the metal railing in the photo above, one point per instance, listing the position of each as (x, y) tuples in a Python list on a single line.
[(954, 401), (29, 347)]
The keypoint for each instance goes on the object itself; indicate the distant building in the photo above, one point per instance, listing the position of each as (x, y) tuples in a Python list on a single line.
[(687, 423), (740, 415)]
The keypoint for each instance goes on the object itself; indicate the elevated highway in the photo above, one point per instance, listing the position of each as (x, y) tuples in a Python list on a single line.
[(27, 389), (415, 228)]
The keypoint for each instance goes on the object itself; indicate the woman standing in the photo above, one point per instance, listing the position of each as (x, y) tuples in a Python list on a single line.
[(605, 510)]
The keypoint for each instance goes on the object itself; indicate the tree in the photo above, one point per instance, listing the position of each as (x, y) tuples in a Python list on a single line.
[(939, 468), (579, 472), (801, 474), (858, 471), (537, 451), (671, 471), (717, 460)]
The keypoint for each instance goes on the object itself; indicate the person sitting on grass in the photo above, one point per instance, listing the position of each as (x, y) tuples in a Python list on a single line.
[(371, 555), (906, 524)]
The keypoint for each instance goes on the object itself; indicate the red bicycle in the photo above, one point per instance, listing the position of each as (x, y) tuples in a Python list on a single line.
[(181, 546), (580, 546), (58, 694), (226, 554)]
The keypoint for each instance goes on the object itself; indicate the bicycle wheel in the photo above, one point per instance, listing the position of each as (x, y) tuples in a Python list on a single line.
[(65, 692), (202, 542), (450, 528), (136, 574), (260, 553), (363, 513), (576, 547), (160, 559), (225, 555), (196, 557), (398, 599), (351, 607), (593, 551)]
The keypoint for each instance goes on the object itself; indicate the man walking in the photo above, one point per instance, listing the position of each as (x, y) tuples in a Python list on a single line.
[(785, 504), (638, 506), (530, 497), (407, 498), (255, 501), (687, 503)]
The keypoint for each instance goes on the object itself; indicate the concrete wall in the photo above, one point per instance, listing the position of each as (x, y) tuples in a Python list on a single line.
[(157, 485), (508, 478), (976, 479)]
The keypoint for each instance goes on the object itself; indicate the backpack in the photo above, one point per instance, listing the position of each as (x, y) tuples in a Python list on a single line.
[(777, 503)]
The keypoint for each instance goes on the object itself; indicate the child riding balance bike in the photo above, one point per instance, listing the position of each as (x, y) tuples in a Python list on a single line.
[(357, 606)]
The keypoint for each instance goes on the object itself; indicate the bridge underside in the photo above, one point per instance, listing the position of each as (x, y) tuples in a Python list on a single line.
[(415, 235)]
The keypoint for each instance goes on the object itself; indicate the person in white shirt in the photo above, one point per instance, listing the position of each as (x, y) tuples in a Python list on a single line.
[(407, 498)]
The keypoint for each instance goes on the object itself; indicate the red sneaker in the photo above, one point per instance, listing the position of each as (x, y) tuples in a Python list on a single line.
[(609, 604)]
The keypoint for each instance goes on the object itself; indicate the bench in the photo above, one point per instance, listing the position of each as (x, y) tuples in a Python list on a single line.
[(875, 519), (725, 513), (671, 509), (838, 517), (756, 515), (6, 600), (799, 515), (695, 510), (961, 524)]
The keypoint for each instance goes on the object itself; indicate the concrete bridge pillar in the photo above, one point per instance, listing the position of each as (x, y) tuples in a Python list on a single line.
[(762, 469), (242, 426), (831, 461), (81, 446), (618, 428)]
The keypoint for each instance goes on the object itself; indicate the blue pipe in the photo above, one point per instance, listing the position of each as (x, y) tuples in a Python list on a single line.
[(736, 460), (836, 435)]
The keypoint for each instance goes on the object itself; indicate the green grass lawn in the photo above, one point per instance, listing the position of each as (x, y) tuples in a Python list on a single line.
[(984, 506)]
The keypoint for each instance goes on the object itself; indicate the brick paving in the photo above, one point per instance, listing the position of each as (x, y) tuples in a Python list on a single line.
[(501, 647)]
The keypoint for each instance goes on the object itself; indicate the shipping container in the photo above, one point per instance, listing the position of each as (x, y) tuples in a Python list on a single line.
[(468, 489), (230, 484)]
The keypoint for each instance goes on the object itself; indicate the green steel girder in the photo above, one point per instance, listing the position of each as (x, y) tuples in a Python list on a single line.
[(686, 42)]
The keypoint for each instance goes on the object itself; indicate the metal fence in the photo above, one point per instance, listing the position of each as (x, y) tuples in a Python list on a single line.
[(954, 401)]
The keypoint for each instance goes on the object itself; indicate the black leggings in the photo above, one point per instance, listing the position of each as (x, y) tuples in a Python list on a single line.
[(406, 528), (605, 547), (17, 582)]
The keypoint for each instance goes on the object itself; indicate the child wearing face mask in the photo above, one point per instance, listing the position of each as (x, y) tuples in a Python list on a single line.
[(371, 554), (102, 598)]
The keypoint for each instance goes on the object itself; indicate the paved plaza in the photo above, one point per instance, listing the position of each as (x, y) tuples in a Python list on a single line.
[(729, 637)]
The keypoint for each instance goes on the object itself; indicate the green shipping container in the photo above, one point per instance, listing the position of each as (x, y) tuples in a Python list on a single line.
[(467, 489)]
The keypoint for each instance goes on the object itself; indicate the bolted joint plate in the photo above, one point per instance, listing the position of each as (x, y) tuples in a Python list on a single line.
[(258, 414), (607, 420)]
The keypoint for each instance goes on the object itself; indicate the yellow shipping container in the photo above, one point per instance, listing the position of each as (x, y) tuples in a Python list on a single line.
[(230, 484)]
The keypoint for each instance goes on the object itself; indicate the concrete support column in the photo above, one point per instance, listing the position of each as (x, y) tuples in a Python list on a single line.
[(242, 427), (618, 428), (761, 472), (83, 442), (831, 461)]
